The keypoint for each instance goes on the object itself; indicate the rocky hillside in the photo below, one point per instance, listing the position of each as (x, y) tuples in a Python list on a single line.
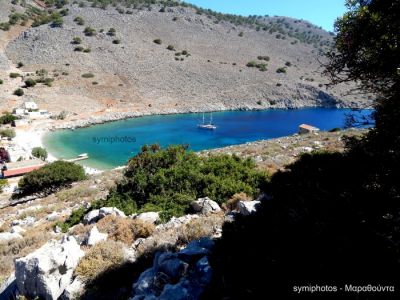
[(169, 57)]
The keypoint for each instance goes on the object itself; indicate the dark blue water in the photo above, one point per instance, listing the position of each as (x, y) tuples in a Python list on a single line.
[(234, 127)]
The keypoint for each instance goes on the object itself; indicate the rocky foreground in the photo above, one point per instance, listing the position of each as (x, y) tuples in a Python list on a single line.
[(38, 259)]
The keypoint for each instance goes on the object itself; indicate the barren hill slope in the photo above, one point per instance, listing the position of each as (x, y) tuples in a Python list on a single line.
[(211, 64)]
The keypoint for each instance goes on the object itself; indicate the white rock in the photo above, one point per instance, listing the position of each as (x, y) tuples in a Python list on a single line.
[(53, 216), (248, 207), (74, 290), (91, 216), (95, 236), (28, 221), (17, 229), (46, 272), (149, 217), (205, 205), (105, 211), (97, 214), (6, 236)]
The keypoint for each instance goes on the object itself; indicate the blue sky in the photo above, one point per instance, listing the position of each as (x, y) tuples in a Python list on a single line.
[(320, 12)]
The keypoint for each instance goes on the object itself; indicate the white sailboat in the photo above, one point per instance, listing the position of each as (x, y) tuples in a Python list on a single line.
[(209, 126)]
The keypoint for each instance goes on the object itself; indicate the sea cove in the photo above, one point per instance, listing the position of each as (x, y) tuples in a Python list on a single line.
[(112, 144)]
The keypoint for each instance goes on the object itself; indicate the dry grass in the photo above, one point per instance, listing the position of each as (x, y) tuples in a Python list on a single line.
[(232, 204), (124, 230), (198, 228), (32, 239), (80, 192), (101, 257)]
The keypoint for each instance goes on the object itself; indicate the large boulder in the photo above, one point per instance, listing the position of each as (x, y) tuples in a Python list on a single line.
[(248, 207), (6, 236), (177, 276), (46, 272), (205, 205), (95, 236), (97, 214), (149, 217)]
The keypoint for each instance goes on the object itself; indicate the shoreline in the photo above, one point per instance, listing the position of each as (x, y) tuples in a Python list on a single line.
[(32, 135)]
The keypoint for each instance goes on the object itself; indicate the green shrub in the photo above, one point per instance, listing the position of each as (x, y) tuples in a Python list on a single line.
[(259, 102), (117, 41), (14, 75), (95, 83), (30, 82), (241, 34), (281, 70), (111, 32), (79, 20), (5, 26), (51, 177), (288, 64), (19, 92), (20, 65), (87, 75), (266, 58), (8, 133), (251, 64), (184, 52), (76, 40), (167, 180), (39, 152), (7, 118), (3, 183), (89, 31), (75, 218), (158, 41), (1, 81), (78, 49), (87, 50), (171, 48)]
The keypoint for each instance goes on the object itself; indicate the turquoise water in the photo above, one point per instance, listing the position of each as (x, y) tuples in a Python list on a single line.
[(112, 144)]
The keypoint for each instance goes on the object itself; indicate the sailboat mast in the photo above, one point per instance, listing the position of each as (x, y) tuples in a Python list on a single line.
[(211, 119), (203, 118)]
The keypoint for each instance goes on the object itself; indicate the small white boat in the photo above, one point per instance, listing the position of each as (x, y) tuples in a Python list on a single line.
[(209, 126)]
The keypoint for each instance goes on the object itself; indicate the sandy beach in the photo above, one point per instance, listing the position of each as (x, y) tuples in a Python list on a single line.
[(31, 136)]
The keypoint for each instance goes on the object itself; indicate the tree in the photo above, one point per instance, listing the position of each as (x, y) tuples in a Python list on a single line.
[(51, 177), (39, 152)]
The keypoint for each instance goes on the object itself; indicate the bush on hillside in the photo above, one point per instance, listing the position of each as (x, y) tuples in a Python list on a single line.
[(51, 177), (89, 31), (88, 75), (39, 152), (76, 40), (79, 20), (281, 70), (19, 92), (14, 75), (158, 41), (168, 180), (7, 118), (8, 133), (30, 82)]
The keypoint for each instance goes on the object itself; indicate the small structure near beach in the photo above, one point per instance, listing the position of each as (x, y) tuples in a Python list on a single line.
[(305, 128), (20, 168)]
